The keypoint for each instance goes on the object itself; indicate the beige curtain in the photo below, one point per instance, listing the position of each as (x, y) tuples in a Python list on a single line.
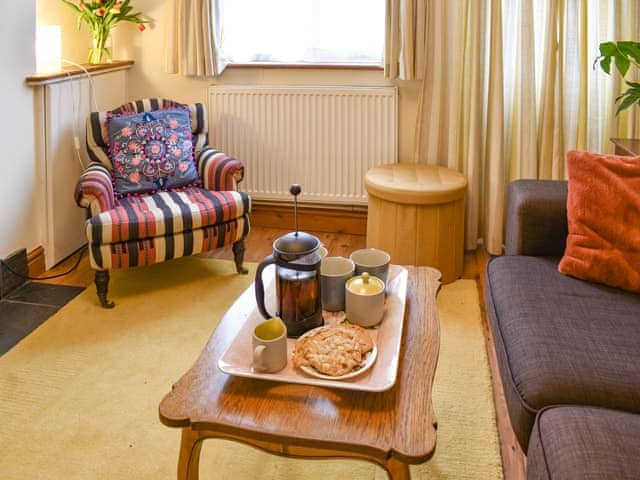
[(405, 42), (556, 96), (513, 89), (193, 38), (460, 113)]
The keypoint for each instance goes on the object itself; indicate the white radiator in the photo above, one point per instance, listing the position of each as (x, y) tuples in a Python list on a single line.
[(324, 138)]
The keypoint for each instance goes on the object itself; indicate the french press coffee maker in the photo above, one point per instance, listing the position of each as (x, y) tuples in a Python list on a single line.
[(297, 257)]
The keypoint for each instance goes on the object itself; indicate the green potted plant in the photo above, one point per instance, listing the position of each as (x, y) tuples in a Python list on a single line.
[(622, 55)]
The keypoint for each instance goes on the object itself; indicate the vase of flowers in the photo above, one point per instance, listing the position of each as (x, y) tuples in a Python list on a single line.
[(101, 16)]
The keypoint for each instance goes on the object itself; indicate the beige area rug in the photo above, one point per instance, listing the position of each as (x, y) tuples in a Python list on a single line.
[(79, 396)]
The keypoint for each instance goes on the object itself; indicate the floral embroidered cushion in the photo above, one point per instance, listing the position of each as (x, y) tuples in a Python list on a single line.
[(151, 151)]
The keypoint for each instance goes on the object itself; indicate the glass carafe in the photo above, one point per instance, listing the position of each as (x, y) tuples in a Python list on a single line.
[(297, 257)]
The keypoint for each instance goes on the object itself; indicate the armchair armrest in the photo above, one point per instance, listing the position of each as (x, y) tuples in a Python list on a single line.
[(536, 218), (94, 189), (218, 170)]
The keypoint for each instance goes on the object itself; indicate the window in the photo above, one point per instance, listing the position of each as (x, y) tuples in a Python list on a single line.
[(304, 31)]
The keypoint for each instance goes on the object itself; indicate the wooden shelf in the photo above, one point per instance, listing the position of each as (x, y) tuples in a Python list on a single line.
[(74, 71), (627, 146)]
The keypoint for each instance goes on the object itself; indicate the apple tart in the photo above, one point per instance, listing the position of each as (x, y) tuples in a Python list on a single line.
[(333, 350)]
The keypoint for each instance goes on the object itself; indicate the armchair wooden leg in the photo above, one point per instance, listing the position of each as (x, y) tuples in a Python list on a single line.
[(238, 256), (102, 286)]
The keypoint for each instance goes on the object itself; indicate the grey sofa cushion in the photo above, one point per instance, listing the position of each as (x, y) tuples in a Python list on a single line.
[(584, 443), (560, 340)]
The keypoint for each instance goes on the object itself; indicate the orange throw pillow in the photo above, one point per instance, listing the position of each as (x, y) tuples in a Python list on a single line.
[(603, 212)]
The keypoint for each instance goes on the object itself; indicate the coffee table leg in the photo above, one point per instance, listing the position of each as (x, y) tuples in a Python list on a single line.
[(397, 470), (189, 459)]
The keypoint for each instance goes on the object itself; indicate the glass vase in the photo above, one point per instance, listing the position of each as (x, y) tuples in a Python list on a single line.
[(100, 50)]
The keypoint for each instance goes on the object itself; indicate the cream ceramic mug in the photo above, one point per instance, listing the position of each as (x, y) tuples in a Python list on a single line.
[(270, 346), (365, 300)]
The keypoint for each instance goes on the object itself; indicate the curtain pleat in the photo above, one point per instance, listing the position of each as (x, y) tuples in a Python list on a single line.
[(460, 115), (405, 39), (494, 177), (193, 38), (550, 131)]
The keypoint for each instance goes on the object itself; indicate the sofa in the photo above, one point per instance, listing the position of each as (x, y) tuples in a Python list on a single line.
[(568, 350)]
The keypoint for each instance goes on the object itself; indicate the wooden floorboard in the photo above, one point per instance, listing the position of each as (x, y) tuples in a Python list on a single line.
[(259, 244)]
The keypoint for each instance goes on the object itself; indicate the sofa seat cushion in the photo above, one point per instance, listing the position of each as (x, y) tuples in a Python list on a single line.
[(165, 213), (561, 340), (584, 442)]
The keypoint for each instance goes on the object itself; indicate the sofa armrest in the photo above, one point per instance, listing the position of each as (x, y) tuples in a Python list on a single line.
[(536, 218), (218, 170), (94, 189)]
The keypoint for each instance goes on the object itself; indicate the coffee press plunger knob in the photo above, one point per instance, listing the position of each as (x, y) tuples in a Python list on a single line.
[(295, 191)]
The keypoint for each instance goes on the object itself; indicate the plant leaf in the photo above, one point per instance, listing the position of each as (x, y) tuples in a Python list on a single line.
[(628, 98), (630, 49), (626, 103), (605, 65), (622, 64), (608, 49)]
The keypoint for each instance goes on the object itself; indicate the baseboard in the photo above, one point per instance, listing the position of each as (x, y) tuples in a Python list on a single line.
[(13, 272), (316, 218), (35, 261)]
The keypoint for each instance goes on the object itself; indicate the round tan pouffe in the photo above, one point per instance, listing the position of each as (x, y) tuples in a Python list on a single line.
[(416, 213)]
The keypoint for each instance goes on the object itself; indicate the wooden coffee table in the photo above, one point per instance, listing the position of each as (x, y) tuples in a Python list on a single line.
[(393, 428)]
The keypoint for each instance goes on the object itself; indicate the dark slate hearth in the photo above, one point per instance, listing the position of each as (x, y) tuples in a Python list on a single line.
[(25, 308), (45, 294)]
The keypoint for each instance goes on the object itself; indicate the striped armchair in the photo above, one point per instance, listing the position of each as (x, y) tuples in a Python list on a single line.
[(153, 227)]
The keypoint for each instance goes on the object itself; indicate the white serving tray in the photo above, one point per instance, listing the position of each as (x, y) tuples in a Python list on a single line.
[(236, 360)]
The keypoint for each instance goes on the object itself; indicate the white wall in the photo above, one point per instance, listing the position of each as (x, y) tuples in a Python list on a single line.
[(75, 44), (20, 188)]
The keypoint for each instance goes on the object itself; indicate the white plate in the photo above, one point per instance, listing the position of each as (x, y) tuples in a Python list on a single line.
[(368, 363)]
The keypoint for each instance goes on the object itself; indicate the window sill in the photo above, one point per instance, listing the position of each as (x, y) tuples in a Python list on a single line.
[(72, 71), (314, 66)]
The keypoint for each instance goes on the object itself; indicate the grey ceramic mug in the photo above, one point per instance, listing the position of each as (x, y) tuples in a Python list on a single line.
[(373, 261), (334, 273)]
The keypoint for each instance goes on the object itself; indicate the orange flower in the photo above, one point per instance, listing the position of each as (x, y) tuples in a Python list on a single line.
[(141, 27), (101, 11)]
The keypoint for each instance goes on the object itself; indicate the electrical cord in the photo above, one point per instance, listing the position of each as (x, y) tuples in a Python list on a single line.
[(57, 275), (75, 104), (74, 120), (89, 76)]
